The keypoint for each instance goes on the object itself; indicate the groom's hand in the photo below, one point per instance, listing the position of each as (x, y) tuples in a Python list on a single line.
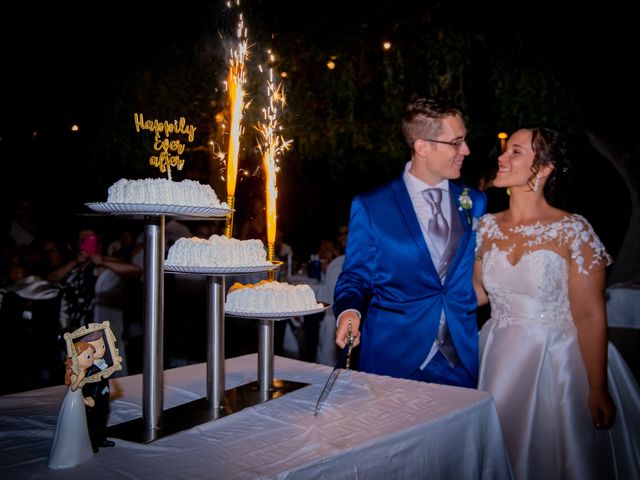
[(342, 331)]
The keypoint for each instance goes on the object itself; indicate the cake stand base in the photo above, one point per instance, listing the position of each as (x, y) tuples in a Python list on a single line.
[(197, 412)]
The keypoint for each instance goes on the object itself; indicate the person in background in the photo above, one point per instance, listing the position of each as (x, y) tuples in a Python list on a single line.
[(78, 276), (174, 230), (328, 352), (543, 353), (327, 251), (92, 288), (284, 253), (405, 288), (23, 224), (341, 238)]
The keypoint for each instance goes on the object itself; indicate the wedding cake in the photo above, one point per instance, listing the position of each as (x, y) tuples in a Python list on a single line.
[(270, 297), (217, 251), (161, 191)]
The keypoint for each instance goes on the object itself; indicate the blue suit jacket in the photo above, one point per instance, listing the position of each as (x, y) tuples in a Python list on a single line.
[(388, 276)]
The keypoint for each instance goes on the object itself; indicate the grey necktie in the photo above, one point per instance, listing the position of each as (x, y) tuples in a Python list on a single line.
[(437, 227)]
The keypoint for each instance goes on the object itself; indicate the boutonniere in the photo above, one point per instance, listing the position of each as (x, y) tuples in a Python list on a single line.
[(466, 203)]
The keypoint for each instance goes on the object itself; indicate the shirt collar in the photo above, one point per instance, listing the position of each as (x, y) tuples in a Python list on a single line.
[(415, 185)]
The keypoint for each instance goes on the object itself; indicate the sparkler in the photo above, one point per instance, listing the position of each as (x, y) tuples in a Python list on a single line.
[(271, 145), (236, 80)]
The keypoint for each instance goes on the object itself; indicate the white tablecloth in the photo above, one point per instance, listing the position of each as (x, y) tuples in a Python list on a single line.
[(371, 427)]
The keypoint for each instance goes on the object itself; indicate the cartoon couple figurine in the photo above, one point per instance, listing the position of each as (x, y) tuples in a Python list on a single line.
[(82, 421)]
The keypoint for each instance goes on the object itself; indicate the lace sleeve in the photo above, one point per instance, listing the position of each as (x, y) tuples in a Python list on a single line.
[(478, 239), (587, 251), (483, 228)]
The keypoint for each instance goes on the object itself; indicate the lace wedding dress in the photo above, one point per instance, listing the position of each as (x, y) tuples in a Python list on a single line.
[(530, 358)]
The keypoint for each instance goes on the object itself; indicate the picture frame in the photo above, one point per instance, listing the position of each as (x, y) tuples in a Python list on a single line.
[(95, 331)]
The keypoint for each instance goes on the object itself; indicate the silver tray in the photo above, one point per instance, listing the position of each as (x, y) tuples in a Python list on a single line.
[(152, 209), (223, 270), (277, 315)]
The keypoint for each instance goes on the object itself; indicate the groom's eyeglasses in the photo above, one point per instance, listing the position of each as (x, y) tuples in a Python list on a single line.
[(455, 143)]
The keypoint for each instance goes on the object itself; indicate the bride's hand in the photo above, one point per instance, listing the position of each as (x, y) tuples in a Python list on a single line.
[(603, 411)]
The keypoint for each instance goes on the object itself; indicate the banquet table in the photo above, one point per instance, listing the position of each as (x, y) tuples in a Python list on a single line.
[(370, 427)]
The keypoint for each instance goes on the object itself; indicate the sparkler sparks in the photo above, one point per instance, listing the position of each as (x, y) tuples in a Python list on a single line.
[(272, 145), (236, 81)]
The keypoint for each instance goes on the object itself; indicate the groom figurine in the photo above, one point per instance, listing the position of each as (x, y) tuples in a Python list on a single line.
[(98, 414), (405, 287)]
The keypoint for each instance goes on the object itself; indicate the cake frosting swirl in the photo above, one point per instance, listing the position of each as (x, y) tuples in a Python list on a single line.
[(217, 251), (270, 297), (161, 191)]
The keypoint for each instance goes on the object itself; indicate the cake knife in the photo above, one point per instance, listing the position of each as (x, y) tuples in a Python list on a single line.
[(345, 358)]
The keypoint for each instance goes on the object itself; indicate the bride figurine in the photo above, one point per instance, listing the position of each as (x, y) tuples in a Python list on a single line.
[(543, 352), (71, 444)]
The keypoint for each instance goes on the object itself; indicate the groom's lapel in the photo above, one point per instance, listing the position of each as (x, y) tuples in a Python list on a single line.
[(456, 191), (408, 214)]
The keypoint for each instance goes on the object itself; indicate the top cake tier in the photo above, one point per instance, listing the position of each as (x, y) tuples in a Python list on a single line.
[(160, 191)]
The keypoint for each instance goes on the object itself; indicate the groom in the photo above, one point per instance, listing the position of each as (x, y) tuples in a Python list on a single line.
[(405, 286)]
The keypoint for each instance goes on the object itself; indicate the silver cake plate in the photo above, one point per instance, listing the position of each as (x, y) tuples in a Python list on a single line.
[(223, 270), (152, 209), (278, 315)]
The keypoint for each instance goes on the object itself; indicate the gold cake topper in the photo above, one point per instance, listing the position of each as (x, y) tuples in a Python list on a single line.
[(170, 150)]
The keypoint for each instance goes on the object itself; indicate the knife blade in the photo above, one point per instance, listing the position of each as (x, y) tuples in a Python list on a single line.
[(343, 359)]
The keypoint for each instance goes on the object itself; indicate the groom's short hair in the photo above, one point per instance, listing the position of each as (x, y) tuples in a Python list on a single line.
[(93, 336), (423, 118)]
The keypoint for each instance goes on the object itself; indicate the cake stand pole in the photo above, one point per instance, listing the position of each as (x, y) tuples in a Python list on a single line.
[(153, 326), (215, 343), (265, 356)]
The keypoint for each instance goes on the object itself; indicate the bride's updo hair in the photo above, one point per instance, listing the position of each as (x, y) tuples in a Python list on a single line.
[(549, 148)]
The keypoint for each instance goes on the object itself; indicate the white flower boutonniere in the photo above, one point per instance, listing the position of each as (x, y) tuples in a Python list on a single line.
[(466, 203)]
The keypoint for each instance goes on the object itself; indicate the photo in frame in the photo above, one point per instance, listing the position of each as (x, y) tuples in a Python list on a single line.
[(96, 334)]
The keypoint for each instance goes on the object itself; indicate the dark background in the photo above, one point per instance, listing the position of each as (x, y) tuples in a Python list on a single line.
[(507, 66)]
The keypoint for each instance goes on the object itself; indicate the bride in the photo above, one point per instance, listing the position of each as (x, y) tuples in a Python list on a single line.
[(544, 352), (71, 444)]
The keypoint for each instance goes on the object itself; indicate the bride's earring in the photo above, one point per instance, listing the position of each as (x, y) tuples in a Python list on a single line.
[(536, 183)]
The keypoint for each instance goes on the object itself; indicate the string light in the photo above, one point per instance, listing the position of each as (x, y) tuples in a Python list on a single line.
[(503, 141)]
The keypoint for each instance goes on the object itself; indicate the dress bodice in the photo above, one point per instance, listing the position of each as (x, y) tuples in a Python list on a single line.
[(534, 287)]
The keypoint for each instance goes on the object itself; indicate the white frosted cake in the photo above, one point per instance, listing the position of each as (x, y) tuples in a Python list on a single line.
[(270, 297), (161, 191), (217, 251)]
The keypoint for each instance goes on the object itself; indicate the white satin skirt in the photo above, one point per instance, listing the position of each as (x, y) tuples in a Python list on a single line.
[(538, 379), (71, 444)]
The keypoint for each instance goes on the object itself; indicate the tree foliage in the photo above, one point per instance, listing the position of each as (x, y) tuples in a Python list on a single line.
[(345, 122)]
